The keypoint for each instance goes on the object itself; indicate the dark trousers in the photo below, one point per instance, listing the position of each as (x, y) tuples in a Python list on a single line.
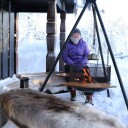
[(76, 73)]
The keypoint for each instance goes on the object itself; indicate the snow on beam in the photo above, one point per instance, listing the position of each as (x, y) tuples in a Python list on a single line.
[(32, 109)]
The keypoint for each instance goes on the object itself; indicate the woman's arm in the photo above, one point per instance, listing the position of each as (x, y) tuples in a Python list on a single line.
[(84, 59), (66, 58)]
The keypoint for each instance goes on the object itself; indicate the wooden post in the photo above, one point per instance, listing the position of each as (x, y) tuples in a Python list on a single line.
[(51, 31), (62, 37), (5, 39), (11, 40), (16, 44), (0, 39)]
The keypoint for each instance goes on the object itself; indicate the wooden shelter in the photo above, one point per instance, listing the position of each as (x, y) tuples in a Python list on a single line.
[(8, 29), (8, 33)]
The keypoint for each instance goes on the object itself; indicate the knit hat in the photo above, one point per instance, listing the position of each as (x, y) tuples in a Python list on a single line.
[(76, 30)]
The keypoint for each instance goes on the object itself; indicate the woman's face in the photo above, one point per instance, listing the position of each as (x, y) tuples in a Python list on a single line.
[(76, 35), (75, 38)]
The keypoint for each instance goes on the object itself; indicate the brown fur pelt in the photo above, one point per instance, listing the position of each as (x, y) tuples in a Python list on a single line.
[(32, 109)]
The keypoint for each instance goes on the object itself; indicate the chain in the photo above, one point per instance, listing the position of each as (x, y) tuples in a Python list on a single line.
[(94, 30), (107, 57)]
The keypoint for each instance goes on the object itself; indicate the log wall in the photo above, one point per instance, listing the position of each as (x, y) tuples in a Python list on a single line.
[(6, 40)]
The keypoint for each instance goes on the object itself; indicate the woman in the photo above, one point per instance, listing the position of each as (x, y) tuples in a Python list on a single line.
[(76, 56)]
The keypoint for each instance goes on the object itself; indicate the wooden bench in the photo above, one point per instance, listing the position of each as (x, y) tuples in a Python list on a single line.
[(89, 87)]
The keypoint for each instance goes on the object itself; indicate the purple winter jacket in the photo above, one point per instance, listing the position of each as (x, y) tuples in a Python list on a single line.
[(76, 54)]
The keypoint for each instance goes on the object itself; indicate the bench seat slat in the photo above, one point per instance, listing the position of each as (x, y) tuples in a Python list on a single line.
[(88, 85)]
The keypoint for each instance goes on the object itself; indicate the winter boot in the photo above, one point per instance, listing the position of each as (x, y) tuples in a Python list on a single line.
[(89, 99), (73, 94)]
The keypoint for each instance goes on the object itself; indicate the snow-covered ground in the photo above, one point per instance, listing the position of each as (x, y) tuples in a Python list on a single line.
[(113, 105)]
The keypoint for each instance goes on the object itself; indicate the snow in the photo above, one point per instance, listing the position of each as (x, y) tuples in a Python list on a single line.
[(113, 105), (32, 51)]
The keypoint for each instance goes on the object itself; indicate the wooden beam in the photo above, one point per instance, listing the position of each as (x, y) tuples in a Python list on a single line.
[(41, 6)]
